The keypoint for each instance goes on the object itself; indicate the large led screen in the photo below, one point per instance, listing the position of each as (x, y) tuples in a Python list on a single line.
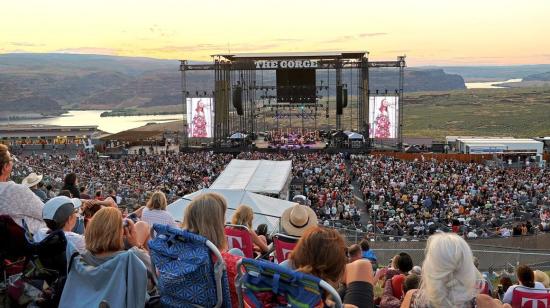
[(296, 86), (200, 115), (383, 117)]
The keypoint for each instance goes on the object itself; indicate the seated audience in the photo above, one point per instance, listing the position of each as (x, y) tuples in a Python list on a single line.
[(62, 213), (322, 252), (84, 193), (449, 277), (543, 278), (32, 181), (108, 234), (395, 276), (296, 219), (526, 278), (155, 211), (70, 184), (368, 253), (504, 283), (354, 253), (205, 215), (17, 200), (244, 216), (262, 232)]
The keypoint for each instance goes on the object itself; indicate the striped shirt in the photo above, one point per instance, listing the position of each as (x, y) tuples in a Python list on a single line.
[(158, 217)]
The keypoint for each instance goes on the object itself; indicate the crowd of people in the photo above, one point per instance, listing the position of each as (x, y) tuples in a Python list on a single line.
[(401, 198), (413, 194), (416, 198), (132, 177)]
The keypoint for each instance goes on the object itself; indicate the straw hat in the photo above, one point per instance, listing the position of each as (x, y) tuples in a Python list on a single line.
[(296, 219), (31, 180)]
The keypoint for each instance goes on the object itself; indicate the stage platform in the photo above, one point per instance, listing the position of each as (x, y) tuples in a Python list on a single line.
[(261, 144)]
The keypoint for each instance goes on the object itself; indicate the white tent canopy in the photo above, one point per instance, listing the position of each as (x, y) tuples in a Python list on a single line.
[(354, 135), (261, 206), (238, 136), (260, 176)]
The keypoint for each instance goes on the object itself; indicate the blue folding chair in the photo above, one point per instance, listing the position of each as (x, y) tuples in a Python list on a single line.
[(261, 283), (188, 275)]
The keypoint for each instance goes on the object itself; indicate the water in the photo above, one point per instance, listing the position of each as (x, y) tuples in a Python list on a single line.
[(107, 124), (489, 84)]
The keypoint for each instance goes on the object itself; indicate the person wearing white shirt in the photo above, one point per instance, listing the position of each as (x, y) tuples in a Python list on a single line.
[(61, 213), (155, 211), (526, 278), (17, 200)]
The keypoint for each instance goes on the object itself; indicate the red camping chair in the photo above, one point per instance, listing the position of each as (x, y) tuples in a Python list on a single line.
[(239, 237), (524, 297), (284, 244)]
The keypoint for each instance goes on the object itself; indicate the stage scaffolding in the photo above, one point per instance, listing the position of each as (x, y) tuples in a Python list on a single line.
[(253, 76)]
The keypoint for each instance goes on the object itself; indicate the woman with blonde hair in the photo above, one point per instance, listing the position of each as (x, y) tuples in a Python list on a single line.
[(155, 211), (205, 215), (108, 234), (449, 277), (244, 216), (543, 278)]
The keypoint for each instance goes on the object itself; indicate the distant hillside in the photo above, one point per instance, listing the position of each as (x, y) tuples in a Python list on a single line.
[(538, 77), (46, 83), (494, 72)]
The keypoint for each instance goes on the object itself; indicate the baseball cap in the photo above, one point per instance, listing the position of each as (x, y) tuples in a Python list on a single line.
[(59, 209)]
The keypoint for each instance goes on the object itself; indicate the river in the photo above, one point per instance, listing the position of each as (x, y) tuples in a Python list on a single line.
[(489, 84), (107, 124)]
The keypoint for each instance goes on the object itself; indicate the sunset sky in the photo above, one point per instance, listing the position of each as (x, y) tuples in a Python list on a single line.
[(429, 32)]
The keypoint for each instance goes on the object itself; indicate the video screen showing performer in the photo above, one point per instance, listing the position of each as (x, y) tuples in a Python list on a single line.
[(199, 117)]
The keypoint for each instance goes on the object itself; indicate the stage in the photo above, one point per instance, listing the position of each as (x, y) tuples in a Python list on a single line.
[(262, 144)]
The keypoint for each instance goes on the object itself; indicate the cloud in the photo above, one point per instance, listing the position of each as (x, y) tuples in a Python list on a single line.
[(372, 34), (340, 39), (478, 57), (239, 47), (25, 44), (187, 48), (90, 50), (346, 38), (398, 51), (288, 40), (15, 51)]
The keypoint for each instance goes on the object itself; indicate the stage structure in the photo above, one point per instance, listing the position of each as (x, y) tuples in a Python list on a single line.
[(300, 92)]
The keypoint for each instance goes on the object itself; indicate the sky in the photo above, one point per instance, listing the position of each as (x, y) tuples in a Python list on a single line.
[(428, 32)]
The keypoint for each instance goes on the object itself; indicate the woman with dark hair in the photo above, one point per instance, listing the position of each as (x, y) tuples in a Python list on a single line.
[(70, 184), (322, 252), (262, 231), (526, 278)]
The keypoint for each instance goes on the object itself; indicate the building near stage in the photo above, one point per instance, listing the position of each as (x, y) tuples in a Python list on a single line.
[(271, 178), (506, 148), (46, 135)]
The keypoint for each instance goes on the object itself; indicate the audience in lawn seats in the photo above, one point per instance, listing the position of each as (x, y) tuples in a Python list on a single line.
[(205, 215), (244, 216), (449, 277), (322, 252)]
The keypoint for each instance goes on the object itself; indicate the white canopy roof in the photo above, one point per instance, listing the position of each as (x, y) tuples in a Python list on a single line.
[(238, 136), (261, 176), (354, 135), (260, 204)]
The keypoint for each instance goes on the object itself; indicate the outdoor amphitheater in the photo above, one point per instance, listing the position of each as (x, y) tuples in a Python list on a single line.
[(288, 156)]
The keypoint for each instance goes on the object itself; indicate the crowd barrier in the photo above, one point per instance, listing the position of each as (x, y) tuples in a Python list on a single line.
[(491, 260), (478, 158), (493, 253)]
